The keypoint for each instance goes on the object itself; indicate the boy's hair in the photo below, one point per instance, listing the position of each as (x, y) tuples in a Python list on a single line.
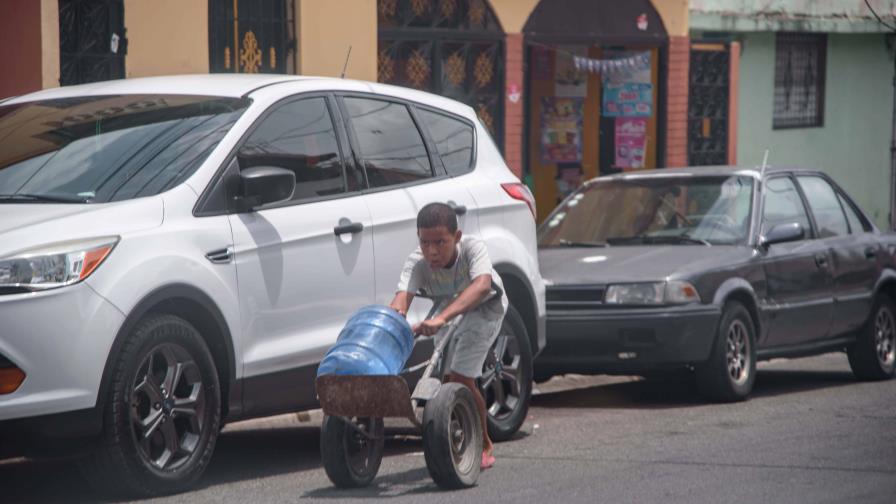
[(434, 215)]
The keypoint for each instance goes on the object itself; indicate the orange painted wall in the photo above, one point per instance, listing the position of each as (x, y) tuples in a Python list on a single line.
[(20, 47)]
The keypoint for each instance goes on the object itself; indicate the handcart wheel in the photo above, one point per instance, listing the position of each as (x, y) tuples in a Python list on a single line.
[(350, 457), (452, 437)]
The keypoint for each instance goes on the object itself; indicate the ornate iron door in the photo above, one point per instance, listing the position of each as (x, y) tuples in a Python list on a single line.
[(454, 48), (258, 39), (708, 105), (92, 44)]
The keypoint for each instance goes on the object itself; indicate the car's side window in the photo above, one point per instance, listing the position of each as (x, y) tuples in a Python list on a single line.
[(856, 225), (453, 139), (783, 205), (391, 147), (300, 137), (824, 206)]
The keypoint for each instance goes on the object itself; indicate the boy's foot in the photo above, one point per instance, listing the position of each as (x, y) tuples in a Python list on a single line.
[(488, 460)]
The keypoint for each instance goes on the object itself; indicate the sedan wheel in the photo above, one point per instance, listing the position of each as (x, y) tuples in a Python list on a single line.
[(873, 355), (730, 371)]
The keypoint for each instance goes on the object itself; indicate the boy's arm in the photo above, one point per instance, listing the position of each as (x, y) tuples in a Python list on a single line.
[(402, 302), (408, 284), (468, 298)]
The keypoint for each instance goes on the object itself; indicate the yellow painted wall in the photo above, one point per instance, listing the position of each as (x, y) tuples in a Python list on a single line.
[(49, 41), (326, 29), (513, 13), (674, 14), (166, 37)]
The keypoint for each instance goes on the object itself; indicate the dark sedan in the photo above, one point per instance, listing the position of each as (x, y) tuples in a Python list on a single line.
[(712, 269)]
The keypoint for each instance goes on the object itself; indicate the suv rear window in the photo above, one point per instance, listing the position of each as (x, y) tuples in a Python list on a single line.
[(98, 149), (453, 139)]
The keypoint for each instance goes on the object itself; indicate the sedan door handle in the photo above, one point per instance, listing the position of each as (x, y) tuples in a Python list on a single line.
[(352, 227), (458, 209), (870, 253), (821, 260)]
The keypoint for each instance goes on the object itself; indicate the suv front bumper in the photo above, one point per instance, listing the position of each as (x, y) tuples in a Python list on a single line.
[(61, 339)]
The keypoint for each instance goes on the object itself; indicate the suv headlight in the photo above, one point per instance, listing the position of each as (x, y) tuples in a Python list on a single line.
[(54, 265), (655, 293)]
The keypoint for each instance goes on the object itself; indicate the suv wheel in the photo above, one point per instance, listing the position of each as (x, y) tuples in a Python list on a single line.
[(873, 355), (162, 414), (507, 378), (729, 373)]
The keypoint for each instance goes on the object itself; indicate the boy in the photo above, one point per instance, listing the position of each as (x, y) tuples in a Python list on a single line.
[(445, 265)]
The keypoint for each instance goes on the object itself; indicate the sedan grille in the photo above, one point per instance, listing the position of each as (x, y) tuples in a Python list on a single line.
[(579, 297)]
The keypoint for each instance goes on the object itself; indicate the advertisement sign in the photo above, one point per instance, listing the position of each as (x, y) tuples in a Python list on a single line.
[(561, 130), (628, 90), (631, 142)]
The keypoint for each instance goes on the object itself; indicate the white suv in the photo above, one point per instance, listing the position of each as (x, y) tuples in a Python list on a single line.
[(179, 252)]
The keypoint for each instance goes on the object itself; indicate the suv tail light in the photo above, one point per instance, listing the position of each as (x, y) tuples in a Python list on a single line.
[(519, 191)]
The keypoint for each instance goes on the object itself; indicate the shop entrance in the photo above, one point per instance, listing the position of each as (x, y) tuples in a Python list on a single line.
[(593, 93)]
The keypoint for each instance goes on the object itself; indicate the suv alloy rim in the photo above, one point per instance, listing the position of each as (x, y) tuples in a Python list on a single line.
[(167, 407), (885, 337), (503, 375), (738, 352)]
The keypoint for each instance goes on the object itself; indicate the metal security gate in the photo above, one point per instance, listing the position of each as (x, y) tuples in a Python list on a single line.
[(708, 105), (92, 44), (251, 36), (454, 48)]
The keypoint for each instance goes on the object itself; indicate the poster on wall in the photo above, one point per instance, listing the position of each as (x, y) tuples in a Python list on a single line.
[(631, 142), (561, 129), (569, 80), (628, 88)]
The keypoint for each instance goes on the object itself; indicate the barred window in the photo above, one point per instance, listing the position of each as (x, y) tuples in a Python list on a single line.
[(799, 80)]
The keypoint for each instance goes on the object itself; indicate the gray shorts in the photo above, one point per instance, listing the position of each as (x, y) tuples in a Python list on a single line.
[(473, 338)]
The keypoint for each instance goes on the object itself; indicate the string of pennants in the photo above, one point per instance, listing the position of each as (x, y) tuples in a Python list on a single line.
[(627, 64)]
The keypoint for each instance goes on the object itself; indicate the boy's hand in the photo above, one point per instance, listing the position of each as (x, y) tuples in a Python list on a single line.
[(430, 327)]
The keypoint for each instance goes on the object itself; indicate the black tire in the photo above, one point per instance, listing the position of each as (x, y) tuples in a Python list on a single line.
[(452, 437), (730, 372), (507, 399), (350, 458), (164, 377), (873, 354)]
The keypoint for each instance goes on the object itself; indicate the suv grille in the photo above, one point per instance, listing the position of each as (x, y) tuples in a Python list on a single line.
[(578, 297)]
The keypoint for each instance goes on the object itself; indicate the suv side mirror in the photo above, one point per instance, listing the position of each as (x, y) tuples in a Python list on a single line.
[(782, 233), (265, 184)]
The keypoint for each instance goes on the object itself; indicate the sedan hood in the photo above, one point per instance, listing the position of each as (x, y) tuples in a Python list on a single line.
[(648, 263), (27, 225)]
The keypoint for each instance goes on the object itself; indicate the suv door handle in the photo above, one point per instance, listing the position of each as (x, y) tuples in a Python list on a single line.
[(821, 260), (458, 209), (870, 253), (221, 256), (351, 227)]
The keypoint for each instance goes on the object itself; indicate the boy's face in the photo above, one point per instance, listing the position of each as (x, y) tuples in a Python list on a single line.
[(438, 245)]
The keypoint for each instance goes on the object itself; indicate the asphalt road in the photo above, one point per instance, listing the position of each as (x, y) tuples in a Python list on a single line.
[(810, 433)]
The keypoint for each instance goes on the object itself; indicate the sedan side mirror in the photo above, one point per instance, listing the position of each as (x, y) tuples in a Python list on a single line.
[(265, 184), (782, 233)]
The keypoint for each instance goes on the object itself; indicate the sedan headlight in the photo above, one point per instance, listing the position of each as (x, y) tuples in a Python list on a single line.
[(56, 265), (655, 293)]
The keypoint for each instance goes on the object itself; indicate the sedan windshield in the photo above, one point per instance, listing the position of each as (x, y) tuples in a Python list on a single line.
[(653, 211), (97, 149)]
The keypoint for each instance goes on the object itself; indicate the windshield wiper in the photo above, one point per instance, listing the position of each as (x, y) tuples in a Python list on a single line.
[(651, 240), (41, 198), (568, 243)]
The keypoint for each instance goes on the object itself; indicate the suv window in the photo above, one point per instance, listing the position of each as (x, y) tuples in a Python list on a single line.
[(391, 147), (783, 205), (97, 149), (856, 225), (825, 207), (453, 139), (300, 137)]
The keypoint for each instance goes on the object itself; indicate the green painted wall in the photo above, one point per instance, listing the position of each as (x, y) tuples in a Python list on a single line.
[(853, 145)]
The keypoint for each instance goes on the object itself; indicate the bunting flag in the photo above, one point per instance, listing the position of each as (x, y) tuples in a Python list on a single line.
[(594, 65)]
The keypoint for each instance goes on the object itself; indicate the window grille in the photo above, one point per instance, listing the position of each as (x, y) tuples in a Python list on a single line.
[(799, 80)]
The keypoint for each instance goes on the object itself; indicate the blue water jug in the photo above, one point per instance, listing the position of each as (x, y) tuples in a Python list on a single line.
[(375, 341)]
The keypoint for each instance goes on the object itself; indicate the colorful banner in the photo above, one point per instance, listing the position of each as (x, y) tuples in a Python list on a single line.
[(631, 142), (561, 129), (628, 92)]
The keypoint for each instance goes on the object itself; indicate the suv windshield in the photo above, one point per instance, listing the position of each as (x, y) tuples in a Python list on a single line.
[(97, 149), (657, 210)]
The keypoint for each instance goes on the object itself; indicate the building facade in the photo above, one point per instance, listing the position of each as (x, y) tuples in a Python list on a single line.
[(556, 82), (812, 83)]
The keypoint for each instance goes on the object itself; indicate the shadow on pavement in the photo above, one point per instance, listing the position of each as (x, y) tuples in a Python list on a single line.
[(411, 482), (681, 391)]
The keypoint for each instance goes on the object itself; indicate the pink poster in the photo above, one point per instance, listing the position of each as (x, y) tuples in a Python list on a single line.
[(631, 142)]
